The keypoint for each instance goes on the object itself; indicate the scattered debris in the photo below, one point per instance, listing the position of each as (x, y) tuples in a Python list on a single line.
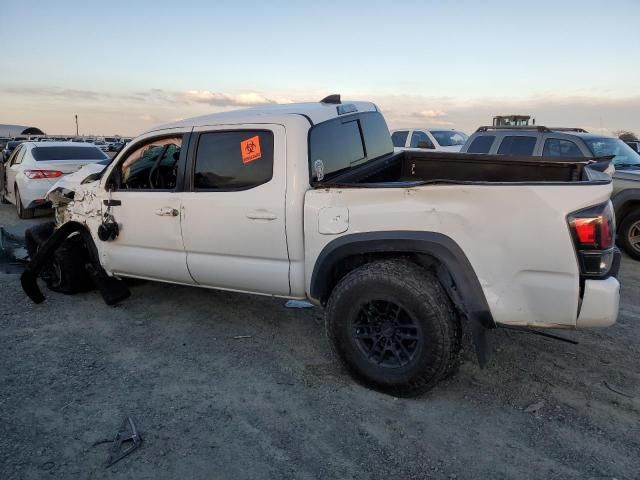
[(298, 304), (13, 254), (615, 390), (535, 407), (238, 337), (125, 442)]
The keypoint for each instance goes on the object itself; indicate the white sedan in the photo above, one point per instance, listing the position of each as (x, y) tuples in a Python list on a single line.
[(34, 167)]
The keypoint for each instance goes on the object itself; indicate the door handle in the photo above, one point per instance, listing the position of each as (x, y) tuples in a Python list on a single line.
[(167, 212), (261, 215)]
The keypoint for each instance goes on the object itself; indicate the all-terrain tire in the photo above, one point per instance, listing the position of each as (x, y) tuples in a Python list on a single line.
[(23, 213), (415, 307), (630, 228)]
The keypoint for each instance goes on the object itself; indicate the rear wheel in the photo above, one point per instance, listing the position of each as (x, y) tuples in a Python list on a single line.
[(22, 212), (629, 234), (393, 327)]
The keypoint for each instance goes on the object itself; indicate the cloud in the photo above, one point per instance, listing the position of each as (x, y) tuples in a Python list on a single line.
[(154, 95), (130, 112), (596, 113), (54, 92), (430, 114), (225, 100)]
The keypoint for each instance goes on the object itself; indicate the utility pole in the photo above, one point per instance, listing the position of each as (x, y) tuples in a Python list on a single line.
[(76, 124)]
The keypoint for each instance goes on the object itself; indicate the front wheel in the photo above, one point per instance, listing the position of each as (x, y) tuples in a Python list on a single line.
[(393, 327), (629, 234)]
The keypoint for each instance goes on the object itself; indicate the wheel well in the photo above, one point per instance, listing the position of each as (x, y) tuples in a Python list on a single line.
[(431, 250), (428, 262), (625, 209)]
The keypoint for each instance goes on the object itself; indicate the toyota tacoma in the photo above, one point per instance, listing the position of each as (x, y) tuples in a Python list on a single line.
[(403, 250)]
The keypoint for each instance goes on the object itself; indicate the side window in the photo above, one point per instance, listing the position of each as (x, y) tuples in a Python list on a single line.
[(517, 145), (151, 166), (420, 137), (335, 145), (17, 160), (399, 138), (555, 147), (481, 144), (233, 160), (11, 160)]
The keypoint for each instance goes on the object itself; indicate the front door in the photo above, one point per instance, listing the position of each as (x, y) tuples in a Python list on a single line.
[(146, 203), (234, 215)]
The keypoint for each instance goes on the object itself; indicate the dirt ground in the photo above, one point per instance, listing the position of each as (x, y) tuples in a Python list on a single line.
[(274, 404)]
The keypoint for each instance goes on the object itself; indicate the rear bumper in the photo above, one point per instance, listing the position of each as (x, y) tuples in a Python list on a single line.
[(599, 303), (40, 203), (34, 192)]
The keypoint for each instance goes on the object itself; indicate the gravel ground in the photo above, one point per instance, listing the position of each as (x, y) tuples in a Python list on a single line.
[(274, 404)]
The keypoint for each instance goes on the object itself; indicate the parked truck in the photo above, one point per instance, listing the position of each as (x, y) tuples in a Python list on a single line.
[(309, 201)]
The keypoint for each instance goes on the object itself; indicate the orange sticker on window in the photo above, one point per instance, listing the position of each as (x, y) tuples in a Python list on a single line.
[(250, 149)]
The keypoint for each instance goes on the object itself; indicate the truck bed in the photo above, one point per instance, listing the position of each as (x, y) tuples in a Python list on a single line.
[(409, 168)]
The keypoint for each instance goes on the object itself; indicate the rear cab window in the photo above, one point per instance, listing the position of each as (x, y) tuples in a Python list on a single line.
[(337, 145), (517, 145), (481, 144)]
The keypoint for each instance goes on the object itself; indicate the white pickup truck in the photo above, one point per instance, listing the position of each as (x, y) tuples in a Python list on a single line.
[(403, 250)]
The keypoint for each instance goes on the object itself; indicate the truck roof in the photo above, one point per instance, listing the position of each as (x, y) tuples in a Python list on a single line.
[(315, 112)]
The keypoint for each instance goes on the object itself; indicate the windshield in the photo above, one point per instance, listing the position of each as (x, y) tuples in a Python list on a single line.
[(605, 146), (45, 154), (449, 138)]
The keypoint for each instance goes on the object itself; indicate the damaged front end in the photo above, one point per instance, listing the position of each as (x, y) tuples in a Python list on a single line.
[(67, 248)]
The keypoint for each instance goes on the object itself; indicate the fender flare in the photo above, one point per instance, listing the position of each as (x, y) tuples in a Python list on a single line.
[(466, 290)]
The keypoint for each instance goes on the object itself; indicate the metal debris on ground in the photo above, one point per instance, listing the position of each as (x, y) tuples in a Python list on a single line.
[(125, 442), (13, 254), (298, 304), (535, 407), (615, 390), (239, 337)]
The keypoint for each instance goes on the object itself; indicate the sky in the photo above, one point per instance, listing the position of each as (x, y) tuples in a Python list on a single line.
[(125, 66)]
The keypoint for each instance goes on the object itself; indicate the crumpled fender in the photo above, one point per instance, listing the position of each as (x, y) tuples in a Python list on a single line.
[(112, 289)]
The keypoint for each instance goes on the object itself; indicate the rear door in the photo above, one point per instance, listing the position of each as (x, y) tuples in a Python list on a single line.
[(233, 221)]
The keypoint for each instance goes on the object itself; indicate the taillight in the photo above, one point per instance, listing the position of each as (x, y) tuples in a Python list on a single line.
[(33, 174), (593, 231)]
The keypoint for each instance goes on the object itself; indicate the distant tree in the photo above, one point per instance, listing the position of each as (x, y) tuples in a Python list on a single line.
[(626, 135)]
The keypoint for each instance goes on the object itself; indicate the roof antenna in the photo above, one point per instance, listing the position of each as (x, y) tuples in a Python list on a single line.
[(335, 99)]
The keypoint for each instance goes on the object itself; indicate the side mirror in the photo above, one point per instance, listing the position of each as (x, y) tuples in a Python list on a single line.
[(427, 145)]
